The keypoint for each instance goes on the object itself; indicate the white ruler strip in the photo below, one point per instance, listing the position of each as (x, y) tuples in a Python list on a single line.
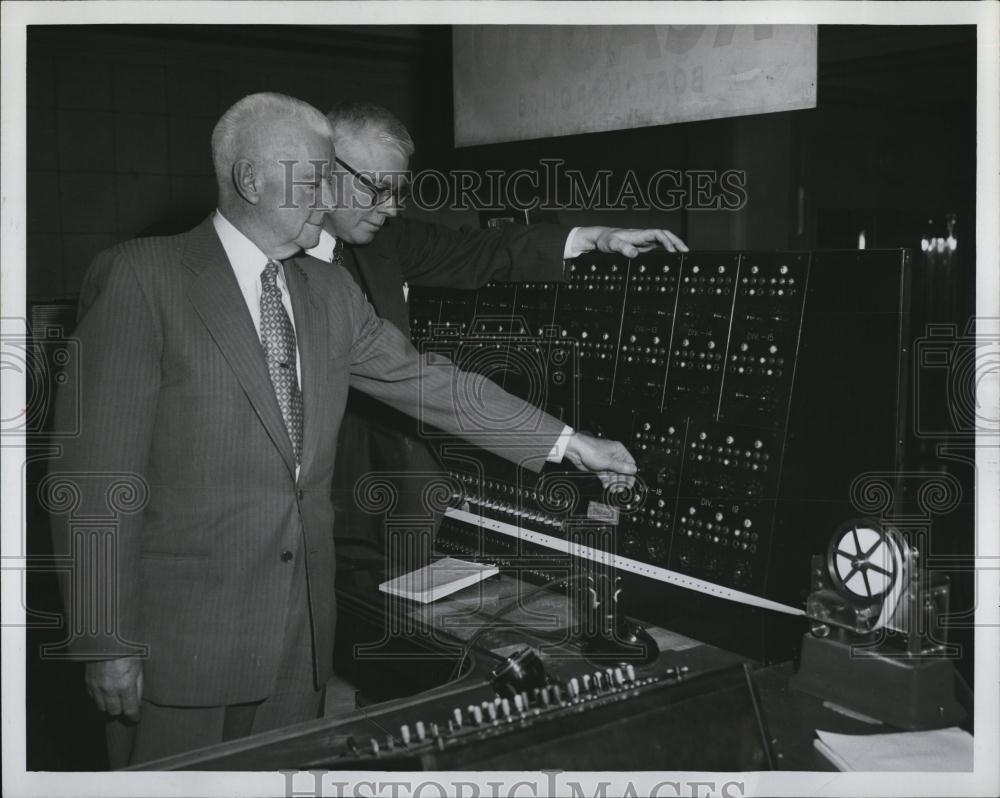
[(621, 563)]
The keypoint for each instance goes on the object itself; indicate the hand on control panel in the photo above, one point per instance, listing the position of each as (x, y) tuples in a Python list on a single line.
[(626, 241), (610, 461)]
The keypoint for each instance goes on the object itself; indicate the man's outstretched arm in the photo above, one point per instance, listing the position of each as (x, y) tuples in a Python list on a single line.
[(386, 366), (437, 256)]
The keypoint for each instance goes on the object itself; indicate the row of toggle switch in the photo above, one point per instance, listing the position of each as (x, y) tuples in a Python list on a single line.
[(517, 512), (517, 503), (522, 706)]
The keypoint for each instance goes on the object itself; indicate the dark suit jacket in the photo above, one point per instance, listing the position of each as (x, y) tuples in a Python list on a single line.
[(175, 390), (374, 438)]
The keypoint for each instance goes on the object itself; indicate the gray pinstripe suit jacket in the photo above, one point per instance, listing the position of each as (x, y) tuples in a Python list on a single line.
[(175, 389)]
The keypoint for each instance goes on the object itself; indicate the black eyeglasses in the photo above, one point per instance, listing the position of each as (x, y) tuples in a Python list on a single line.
[(379, 193)]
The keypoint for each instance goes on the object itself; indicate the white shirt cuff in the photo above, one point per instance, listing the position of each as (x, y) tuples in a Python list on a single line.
[(570, 250), (559, 449)]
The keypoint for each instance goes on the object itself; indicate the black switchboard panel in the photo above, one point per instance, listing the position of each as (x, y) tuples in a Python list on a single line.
[(647, 331), (751, 387)]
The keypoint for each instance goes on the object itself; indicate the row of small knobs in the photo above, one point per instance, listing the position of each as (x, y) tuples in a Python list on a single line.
[(510, 509), (504, 709)]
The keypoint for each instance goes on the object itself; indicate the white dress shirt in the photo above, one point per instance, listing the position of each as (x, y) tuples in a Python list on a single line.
[(324, 251), (248, 263)]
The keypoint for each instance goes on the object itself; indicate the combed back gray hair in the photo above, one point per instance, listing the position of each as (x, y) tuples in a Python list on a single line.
[(351, 118), (236, 131)]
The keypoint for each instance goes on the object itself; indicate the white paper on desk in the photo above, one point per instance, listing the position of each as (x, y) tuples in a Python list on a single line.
[(939, 750), (439, 579)]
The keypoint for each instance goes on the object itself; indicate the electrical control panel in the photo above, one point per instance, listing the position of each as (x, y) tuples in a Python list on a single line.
[(725, 374)]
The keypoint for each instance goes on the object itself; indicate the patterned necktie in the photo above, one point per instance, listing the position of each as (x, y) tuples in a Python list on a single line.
[(278, 339), (338, 253)]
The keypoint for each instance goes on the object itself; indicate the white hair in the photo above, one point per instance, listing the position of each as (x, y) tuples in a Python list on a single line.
[(239, 126), (348, 119)]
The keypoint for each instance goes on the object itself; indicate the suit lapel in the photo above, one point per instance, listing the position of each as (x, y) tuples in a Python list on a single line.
[(216, 297), (312, 340)]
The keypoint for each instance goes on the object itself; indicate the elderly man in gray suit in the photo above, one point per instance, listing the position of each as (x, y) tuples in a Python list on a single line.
[(215, 368)]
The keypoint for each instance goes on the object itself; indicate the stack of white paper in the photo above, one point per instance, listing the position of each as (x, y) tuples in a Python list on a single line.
[(923, 751), (439, 579)]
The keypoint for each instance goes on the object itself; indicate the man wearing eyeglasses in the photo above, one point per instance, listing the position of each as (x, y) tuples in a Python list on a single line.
[(386, 254)]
